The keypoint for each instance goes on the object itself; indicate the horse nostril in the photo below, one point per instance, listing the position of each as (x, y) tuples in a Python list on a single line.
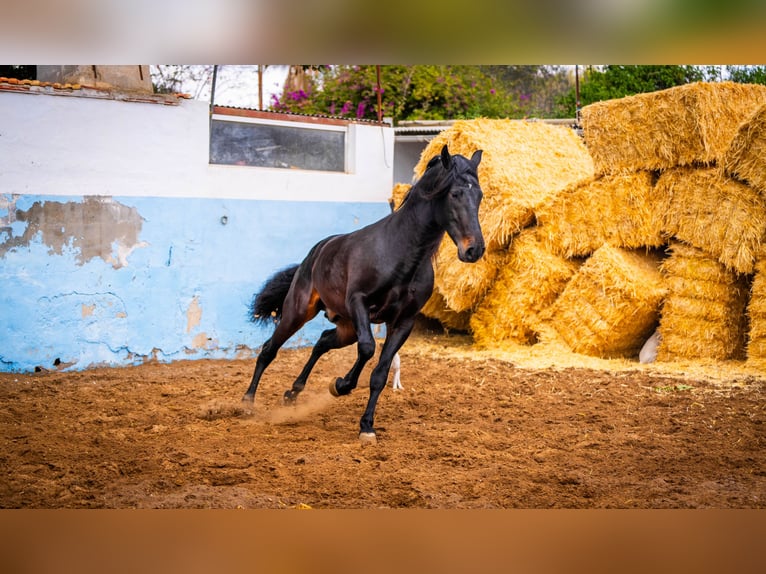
[(473, 253)]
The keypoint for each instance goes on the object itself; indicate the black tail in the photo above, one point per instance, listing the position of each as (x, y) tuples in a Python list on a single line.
[(266, 305)]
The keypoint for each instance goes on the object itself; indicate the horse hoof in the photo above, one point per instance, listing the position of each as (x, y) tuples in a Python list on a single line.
[(248, 399), (334, 389), (288, 399), (368, 438)]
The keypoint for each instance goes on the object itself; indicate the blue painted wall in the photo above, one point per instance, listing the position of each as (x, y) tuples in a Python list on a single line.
[(180, 292)]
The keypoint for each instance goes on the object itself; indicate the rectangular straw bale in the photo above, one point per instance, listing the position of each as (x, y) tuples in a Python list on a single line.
[(463, 285), (715, 213), (611, 305), (683, 125), (756, 313), (528, 281), (523, 164), (745, 159), (703, 315), (620, 209)]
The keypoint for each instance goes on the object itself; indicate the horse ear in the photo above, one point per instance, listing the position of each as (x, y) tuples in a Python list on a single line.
[(446, 157), (476, 157)]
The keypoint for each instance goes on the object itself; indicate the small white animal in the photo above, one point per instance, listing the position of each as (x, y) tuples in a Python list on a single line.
[(396, 364), (649, 351)]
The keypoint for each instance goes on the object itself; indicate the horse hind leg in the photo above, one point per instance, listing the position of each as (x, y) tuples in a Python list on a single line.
[(294, 316), (329, 340)]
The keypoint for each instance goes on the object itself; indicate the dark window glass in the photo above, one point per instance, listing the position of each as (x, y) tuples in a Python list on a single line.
[(267, 145)]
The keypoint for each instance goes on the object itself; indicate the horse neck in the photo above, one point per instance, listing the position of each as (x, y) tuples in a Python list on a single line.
[(417, 227)]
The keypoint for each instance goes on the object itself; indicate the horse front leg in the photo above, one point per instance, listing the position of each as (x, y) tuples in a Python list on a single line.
[(395, 338)]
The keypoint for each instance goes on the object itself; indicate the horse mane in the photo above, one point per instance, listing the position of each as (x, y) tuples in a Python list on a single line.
[(432, 183)]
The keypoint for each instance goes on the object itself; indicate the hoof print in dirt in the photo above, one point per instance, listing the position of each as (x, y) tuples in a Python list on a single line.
[(215, 410)]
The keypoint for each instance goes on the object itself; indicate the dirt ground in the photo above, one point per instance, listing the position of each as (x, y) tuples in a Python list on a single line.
[(469, 430)]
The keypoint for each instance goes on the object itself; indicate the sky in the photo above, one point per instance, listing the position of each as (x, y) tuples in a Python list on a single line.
[(242, 91)]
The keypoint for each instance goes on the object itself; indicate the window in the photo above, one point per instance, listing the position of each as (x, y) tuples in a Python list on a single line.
[(251, 140)]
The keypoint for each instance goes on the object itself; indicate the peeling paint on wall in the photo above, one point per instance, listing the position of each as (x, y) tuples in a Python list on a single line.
[(95, 227), (200, 341), (193, 314)]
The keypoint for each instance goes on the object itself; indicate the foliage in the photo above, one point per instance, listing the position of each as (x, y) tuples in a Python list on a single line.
[(407, 93), (538, 87), (611, 82), (747, 74), (439, 92)]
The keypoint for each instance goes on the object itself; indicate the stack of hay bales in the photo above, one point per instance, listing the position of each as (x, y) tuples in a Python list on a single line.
[(683, 135), (682, 169), (523, 164), (745, 160)]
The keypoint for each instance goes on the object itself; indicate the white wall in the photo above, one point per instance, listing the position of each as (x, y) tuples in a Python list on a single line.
[(84, 146)]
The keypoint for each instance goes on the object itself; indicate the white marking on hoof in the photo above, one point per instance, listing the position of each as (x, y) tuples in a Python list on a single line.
[(368, 438), (334, 389)]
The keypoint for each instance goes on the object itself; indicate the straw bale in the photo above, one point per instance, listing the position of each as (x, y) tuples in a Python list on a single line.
[(398, 194), (463, 285), (436, 308), (684, 125), (756, 313), (524, 163), (703, 315), (745, 159), (715, 213), (611, 305), (621, 210), (528, 281)]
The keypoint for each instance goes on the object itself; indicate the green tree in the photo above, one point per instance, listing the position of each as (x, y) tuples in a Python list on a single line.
[(747, 74), (407, 93), (537, 87), (610, 82)]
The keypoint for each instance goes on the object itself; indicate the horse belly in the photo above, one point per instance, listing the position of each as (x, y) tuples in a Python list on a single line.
[(392, 307)]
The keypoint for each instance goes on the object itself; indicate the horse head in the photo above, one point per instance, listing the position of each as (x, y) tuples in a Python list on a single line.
[(459, 214)]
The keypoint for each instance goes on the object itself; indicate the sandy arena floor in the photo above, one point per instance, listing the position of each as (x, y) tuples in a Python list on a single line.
[(470, 430)]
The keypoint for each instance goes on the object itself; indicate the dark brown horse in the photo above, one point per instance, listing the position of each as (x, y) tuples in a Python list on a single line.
[(381, 273)]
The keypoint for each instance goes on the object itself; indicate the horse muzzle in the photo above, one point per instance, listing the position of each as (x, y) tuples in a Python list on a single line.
[(470, 250)]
